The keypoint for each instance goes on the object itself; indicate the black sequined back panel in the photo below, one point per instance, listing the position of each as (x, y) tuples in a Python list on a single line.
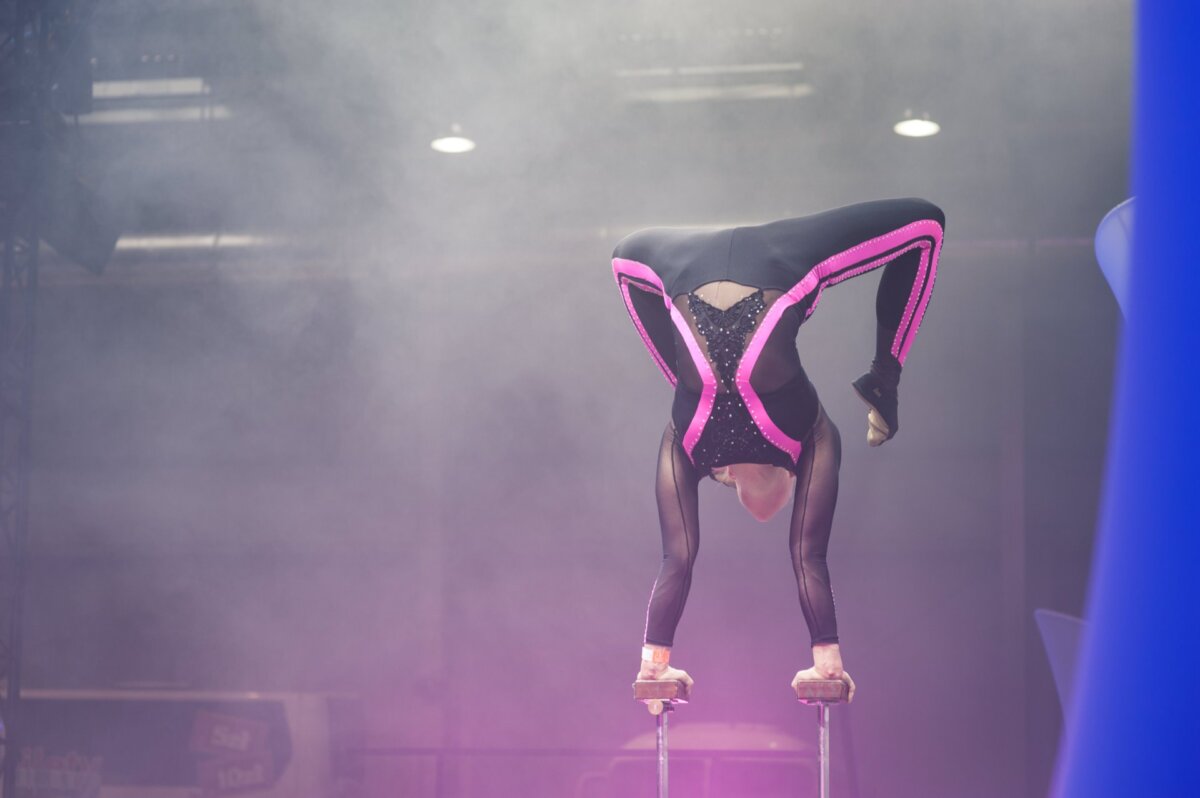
[(725, 332), (730, 436)]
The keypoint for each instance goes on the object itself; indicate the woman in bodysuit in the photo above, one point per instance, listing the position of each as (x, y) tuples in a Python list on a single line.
[(719, 312)]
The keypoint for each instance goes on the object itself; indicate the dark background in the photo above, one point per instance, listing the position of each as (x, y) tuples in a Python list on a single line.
[(407, 447)]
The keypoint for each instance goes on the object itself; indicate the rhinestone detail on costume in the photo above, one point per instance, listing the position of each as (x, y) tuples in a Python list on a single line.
[(730, 436)]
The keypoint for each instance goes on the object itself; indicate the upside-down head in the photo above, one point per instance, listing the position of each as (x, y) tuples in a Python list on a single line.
[(764, 490)]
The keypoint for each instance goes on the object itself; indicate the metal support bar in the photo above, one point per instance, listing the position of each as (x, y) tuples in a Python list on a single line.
[(823, 750), (822, 693), (662, 750), (660, 699)]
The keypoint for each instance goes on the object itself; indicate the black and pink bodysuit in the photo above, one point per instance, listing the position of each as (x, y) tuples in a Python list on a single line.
[(741, 395)]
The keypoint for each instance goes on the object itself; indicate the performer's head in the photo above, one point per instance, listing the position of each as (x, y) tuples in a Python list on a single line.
[(762, 489)]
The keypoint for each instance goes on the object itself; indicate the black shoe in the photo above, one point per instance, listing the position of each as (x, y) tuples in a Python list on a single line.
[(883, 397)]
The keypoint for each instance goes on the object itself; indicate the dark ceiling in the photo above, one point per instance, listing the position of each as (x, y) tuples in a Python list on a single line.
[(321, 116)]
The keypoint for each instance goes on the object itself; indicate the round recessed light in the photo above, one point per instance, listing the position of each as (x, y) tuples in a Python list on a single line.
[(454, 143), (916, 126)]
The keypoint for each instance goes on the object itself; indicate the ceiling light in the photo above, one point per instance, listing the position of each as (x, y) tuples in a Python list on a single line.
[(916, 126), (137, 116), (770, 80), (201, 241), (454, 143), (168, 87), (720, 69), (745, 91)]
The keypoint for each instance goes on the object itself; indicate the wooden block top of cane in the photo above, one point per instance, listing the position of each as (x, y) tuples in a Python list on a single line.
[(664, 690), (822, 691)]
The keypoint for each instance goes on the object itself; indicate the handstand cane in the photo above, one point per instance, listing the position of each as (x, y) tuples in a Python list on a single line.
[(660, 697), (822, 692)]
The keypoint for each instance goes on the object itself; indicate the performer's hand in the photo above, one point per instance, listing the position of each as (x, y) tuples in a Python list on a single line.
[(812, 674), (663, 673)]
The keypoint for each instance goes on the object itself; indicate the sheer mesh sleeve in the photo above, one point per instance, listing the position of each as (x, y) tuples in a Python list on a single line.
[(676, 490)]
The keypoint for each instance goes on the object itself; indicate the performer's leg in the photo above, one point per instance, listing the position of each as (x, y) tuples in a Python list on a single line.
[(895, 290), (678, 513), (904, 237), (879, 387), (904, 291)]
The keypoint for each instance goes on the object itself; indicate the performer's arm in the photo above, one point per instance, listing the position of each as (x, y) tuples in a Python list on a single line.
[(676, 491)]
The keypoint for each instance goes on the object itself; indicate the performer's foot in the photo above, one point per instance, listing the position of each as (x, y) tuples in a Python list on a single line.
[(883, 406)]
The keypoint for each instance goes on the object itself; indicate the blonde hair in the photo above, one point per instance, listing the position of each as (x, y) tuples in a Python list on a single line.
[(763, 490)]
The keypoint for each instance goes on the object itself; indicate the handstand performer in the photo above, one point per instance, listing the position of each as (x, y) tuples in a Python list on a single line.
[(719, 312)]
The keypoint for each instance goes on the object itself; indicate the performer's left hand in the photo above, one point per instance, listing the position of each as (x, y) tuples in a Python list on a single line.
[(664, 674), (812, 674)]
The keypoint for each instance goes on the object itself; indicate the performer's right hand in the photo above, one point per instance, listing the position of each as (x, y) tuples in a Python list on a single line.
[(812, 674), (849, 684), (663, 673)]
